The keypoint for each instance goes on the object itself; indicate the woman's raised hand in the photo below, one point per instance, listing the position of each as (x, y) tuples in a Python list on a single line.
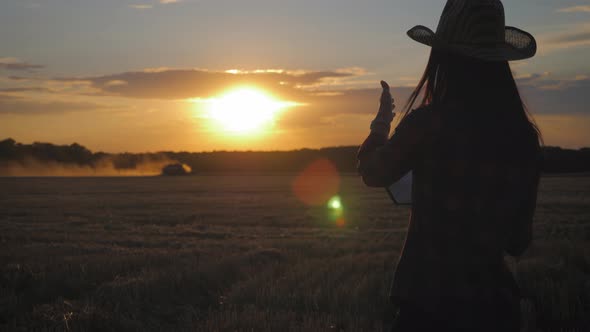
[(382, 123), (387, 104)]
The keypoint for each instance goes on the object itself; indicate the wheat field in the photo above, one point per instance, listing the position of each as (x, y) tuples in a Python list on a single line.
[(243, 253)]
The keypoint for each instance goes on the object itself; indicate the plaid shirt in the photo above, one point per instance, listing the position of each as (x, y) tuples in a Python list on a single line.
[(474, 195)]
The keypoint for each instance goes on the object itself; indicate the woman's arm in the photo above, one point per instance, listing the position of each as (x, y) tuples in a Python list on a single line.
[(382, 161), (369, 168)]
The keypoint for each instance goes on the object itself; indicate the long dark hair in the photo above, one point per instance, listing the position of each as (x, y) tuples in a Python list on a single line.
[(489, 87)]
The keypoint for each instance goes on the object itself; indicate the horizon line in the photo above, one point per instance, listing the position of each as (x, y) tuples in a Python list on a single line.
[(237, 151)]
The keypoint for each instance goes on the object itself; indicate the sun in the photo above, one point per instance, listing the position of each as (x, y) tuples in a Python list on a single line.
[(245, 110)]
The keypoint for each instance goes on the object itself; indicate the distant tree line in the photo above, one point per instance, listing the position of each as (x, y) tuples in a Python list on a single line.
[(556, 160)]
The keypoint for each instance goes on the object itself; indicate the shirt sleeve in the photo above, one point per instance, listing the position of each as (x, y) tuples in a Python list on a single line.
[(383, 161)]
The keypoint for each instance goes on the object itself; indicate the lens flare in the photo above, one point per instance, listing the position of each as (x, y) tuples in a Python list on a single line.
[(336, 211), (318, 182), (335, 203)]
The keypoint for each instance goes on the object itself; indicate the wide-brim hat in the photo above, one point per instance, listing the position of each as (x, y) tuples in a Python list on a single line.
[(476, 28)]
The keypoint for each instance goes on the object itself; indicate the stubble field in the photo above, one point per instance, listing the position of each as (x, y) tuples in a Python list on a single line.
[(243, 253)]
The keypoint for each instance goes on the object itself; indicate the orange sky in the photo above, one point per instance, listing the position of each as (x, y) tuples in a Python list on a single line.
[(140, 76)]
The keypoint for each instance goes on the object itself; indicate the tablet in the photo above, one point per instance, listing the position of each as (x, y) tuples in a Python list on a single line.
[(401, 191)]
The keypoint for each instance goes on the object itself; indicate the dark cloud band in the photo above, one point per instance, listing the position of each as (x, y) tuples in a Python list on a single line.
[(194, 83)]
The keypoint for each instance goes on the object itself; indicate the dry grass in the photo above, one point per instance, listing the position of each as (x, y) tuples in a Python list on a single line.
[(241, 253)]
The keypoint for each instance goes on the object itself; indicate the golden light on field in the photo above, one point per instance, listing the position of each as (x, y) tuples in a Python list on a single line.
[(245, 110)]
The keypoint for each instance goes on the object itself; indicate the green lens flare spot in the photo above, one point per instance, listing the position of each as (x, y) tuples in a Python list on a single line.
[(335, 203)]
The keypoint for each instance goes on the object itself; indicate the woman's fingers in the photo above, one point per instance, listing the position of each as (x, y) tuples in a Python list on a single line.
[(386, 94), (387, 102)]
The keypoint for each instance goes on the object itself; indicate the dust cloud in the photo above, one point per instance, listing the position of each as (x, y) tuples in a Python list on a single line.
[(103, 167)]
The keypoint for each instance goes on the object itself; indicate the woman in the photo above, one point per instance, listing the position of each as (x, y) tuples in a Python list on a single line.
[(474, 153)]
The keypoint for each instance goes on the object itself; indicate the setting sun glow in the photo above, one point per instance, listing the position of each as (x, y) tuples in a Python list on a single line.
[(245, 110)]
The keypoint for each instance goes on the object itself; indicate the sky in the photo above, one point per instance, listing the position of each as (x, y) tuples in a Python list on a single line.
[(149, 75)]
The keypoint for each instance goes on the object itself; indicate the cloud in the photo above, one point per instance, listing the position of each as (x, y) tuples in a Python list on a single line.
[(115, 83), (582, 37), (18, 78), (545, 94), (325, 97), (546, 81), (570, 36), (9, 63), (28, 106), (575, 9), (164, 83), (25, 89), (141, 6), (559, 105), (326, 94), (327, 108)]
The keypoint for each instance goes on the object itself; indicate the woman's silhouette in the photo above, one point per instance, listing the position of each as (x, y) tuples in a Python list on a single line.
[(474, 153)]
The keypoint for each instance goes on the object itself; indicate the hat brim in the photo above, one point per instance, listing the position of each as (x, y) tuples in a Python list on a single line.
[(518, 45)]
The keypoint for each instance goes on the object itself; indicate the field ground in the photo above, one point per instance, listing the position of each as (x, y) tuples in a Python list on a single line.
[(242, 253)]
